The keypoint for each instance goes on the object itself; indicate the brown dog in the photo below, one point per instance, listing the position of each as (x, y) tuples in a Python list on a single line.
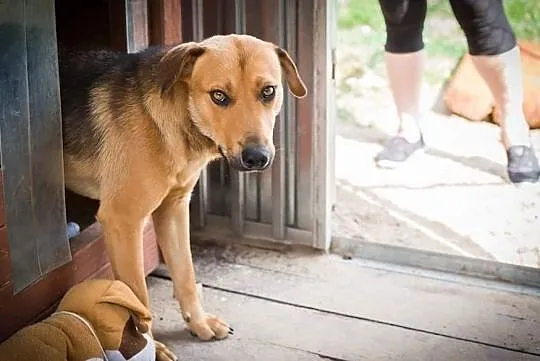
[(139, 128)]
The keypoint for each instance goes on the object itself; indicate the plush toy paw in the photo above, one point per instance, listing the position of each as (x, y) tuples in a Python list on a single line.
[(209, 327), (163, 353)]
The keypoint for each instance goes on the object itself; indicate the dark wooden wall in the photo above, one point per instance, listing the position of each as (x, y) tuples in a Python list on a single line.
[(84, 24)]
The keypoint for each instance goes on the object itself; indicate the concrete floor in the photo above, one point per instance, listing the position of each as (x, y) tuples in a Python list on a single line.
[(454, 198), (304, 306)]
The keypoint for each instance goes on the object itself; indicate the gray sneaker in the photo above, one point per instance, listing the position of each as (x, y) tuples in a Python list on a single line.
[(522, 164), (396, 151)]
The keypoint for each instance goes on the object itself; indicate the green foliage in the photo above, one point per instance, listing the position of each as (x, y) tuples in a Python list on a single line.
[(354, 13), (524, 15)]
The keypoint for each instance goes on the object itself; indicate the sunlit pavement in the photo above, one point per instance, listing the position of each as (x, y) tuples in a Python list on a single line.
[(456, 192)]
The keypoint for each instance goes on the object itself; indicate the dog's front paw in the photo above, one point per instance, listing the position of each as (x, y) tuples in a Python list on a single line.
[(209, 327), (163, 353)]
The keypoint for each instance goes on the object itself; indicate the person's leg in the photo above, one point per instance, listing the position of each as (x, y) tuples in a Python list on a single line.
[(494, 51), (404, 54)]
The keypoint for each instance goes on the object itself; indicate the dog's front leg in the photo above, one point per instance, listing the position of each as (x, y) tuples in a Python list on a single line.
[(123, 235), (171, 223)]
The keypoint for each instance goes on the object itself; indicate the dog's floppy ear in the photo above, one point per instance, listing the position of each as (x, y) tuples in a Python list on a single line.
[(295, 82), (120, 294), (177, 64)]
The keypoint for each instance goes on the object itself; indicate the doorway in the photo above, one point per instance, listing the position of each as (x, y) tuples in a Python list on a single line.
[(450, 208)]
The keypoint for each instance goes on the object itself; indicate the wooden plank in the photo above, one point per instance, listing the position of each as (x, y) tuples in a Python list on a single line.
[(22, 308), (105, 272), (152, 255), (187, 19), (447, 307), (5, 269), (268, 329), (45, 124), (304, 129), (165, 22), (136, 25), (129, 28), (322, 95), (213, 17), (2, 208), (237, 185), (117, 25), (289, 148), (89, 261)]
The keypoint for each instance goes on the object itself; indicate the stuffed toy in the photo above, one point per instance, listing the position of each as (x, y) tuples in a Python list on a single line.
[(96, 320)]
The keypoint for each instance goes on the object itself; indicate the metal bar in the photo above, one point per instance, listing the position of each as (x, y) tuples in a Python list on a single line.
[(260, 22), (224, 182), (331, 25), (31, 142), (269, 25), (201, 195), (305, 123), (279, 200), (252, 196), (322, 128), (240, 16), (218, 229), (237, 202), (237, 179), (198, 19), (291, 117), (136, 25), (252, 181)]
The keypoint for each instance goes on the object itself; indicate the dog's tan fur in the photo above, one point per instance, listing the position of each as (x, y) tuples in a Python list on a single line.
[(157, 135)]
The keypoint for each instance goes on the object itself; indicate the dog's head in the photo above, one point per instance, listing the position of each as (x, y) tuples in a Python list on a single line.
[(235, 91)]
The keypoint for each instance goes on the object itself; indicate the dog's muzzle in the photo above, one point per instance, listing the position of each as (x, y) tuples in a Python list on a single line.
[(255, 157)]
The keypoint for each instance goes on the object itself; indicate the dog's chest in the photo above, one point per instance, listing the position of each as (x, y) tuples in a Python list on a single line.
[(189, 173)]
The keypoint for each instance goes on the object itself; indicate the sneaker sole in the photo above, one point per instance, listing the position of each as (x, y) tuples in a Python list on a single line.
[(524, 177), (389, 164)]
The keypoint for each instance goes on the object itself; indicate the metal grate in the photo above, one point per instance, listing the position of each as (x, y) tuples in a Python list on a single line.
[(291, 201)]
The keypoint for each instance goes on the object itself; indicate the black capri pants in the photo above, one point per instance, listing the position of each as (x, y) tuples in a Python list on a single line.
[(484, 23)]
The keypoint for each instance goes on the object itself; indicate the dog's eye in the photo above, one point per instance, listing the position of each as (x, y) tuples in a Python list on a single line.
[(268, 93), (220, 98)]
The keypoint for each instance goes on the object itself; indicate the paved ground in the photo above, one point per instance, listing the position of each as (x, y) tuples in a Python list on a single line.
[(455, 198), (293, 306)]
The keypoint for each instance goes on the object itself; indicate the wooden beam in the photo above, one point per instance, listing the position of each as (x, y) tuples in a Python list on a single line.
[(165, 22), (136, 25), (2, 208), (128, 25)]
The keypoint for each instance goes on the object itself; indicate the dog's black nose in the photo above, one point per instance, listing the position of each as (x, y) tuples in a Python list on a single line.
[(255, 157)]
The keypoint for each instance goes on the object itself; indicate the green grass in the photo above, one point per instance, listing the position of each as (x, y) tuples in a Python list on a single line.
[(524, 16), (360, 12)]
